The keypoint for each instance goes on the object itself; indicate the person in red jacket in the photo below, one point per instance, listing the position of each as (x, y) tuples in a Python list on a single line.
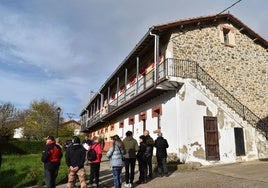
[(51, 158), (95, 164)]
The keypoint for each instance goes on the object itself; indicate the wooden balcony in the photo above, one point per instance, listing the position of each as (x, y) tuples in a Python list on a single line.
[(144, 89)]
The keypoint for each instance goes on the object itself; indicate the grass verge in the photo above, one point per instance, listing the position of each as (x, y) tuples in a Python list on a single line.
[(27, 170)]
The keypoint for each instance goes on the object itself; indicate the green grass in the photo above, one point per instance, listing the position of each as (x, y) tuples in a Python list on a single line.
[(27, 170)]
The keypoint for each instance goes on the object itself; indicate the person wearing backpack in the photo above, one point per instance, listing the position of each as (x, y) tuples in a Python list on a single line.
[(75, 159), (115, 155), (150, 146), (131, 147), (51, 157), (95, 163)]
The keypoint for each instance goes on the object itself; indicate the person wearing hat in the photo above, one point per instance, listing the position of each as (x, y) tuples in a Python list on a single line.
[(142, 160), (51, 157), (115, 155), (75, 159), (161, 145)]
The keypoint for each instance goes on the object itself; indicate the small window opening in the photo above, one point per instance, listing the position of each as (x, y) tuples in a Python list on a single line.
[(226, 36)]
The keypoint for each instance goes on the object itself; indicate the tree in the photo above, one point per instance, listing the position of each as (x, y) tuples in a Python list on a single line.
[(42, 119), (8, 121)]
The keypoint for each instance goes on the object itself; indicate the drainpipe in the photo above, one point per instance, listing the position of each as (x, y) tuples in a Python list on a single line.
[(137, 75), (156, 54)]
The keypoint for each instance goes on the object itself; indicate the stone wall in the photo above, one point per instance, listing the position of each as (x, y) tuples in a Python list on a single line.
[(241, 68)]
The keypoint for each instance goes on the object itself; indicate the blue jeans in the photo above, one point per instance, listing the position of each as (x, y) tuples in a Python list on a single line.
[(117, 176)]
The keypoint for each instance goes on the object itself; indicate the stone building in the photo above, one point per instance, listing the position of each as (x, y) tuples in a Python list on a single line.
[(202, 82)]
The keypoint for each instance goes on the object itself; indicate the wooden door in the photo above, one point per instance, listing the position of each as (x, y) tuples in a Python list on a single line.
[(211, 138)]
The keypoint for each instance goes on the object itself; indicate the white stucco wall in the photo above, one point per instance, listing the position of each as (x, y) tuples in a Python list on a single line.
[(182, 124)]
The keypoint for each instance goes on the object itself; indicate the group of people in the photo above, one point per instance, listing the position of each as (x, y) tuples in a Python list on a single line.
[(122, 154), (75, 158)]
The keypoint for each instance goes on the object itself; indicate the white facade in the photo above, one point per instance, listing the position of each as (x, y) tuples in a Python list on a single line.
[(182, 125)]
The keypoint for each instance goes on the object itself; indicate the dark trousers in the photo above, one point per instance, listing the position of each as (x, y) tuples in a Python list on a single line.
[(94, 173), (162, 166), (50, 177), (143, 169), (150, 167), (130, 169)]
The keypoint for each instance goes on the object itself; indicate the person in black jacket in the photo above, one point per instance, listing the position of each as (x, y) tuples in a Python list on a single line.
[(150, 146), (51, 158), (75, 158), (142, 160), (161, 145)]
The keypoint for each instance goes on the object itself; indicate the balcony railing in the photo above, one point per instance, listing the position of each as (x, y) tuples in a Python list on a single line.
[(183, 69)]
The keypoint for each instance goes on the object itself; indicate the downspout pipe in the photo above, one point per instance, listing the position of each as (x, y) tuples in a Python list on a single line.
[(156, 54)]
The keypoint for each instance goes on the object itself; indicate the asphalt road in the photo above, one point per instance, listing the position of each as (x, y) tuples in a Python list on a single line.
[(252, 174)]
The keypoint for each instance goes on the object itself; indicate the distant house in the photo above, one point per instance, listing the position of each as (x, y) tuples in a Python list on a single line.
[(76, 126), (18, 133), (202, 82)]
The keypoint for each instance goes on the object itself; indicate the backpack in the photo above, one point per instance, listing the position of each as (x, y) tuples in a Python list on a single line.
[(150, 141), (91, 155)]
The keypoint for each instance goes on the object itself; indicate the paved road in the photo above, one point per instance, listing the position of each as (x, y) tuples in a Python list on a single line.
[(252, 174)]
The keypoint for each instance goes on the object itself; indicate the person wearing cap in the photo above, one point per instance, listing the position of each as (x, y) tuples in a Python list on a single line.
[(115, 155), (131, 147), (161, 145), (51, 157), (75, 159), (142, 160), (95, 164)]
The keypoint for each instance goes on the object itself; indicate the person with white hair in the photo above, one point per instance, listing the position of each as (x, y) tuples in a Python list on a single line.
[(161, 145)]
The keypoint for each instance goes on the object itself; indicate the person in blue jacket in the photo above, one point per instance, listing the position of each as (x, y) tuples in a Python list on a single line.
[(115, 155)]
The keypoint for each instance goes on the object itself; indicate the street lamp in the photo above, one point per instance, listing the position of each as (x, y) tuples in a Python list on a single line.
[(58, 123)]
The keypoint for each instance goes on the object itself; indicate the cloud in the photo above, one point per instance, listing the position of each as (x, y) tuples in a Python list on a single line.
[(61, 50)]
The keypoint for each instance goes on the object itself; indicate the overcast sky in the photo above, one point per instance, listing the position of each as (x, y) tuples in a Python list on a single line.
[(60, 50)]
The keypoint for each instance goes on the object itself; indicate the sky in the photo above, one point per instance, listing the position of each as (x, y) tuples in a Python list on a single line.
[(62, 50)]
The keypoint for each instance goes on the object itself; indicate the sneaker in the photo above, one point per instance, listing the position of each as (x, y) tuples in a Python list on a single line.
[(126, 185)]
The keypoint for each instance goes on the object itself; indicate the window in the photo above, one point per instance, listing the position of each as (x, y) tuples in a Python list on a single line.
[(112, 127), (142, 116), (227, 35), (157, 112), (131, 120), (121, 124)]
